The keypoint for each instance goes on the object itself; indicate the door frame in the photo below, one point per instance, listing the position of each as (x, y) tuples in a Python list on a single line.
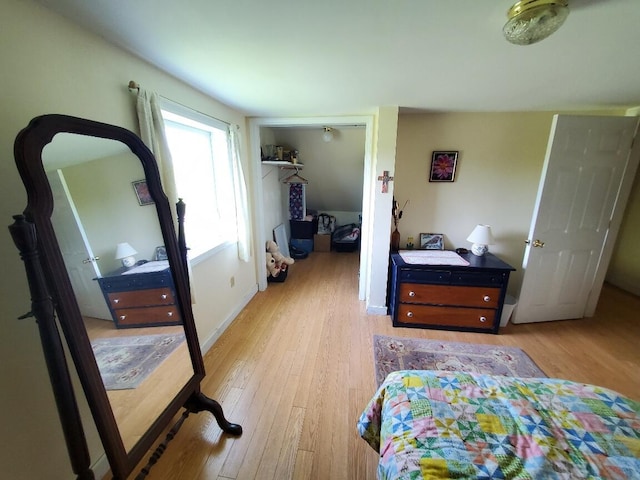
[(258, 213), (626, 185)]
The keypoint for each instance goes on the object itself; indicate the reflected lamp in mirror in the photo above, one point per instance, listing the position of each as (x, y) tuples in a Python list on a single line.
[(327, 134), (126, 253), (481, 238)]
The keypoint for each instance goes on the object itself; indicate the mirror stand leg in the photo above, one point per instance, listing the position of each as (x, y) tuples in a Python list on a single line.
[(199, 402), (23, 233)]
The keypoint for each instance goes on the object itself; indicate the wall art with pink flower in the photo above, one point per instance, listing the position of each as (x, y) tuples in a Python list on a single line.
[(443, 166)]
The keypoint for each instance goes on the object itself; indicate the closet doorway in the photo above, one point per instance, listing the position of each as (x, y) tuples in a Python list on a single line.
[(337, 183)]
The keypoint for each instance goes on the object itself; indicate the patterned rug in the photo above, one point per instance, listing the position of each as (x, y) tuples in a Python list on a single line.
[(125, 362), (393, 353)]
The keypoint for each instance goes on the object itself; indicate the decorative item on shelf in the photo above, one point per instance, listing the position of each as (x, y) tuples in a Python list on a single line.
[(481, 238), (279, 152), (126, 253), (443, 166), (410, 243), (327, 135), (530, 21), (397, 215), (432, 241)]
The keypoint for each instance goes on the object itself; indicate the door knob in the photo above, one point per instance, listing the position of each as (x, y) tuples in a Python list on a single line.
[(536, 243)]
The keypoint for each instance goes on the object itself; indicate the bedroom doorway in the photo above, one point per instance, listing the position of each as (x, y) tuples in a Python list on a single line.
[(587, 175)]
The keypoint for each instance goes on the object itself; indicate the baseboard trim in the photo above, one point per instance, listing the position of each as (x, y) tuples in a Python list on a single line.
[(101, 467), (208, 342), (377, 310)]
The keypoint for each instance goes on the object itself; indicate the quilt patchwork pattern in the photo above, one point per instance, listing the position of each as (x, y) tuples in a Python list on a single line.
[(432, 424)]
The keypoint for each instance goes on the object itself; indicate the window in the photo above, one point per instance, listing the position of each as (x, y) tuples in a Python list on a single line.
[(201, 157)]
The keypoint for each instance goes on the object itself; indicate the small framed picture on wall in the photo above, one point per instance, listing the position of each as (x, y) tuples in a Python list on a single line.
[(142, 192), (443, 166)]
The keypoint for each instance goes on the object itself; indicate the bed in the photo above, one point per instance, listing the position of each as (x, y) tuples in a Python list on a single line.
[(433, 424)]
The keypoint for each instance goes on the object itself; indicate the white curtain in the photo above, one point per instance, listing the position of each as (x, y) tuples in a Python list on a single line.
[(240, 189), (153, 135)]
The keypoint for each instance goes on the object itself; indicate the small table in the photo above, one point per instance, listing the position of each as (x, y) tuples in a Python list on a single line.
[(449, 297), (143, 296)]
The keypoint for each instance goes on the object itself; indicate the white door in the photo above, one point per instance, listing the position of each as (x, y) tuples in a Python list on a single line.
[(579, 191), (76, 251)]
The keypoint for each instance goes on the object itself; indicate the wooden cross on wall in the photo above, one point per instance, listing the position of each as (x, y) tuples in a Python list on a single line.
[(385, 179)]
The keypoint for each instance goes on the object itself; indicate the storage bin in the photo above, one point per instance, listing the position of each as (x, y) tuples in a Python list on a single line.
[(305, 244), (303, 229)]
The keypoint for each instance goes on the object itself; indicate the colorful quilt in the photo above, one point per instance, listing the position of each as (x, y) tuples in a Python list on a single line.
[(432, 424)]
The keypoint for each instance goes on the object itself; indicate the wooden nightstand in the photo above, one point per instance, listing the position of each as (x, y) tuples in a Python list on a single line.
[(141, 299), (446, 297)]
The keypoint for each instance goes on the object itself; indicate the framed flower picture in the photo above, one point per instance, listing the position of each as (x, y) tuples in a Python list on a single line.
[(443, 166), (142, 192)]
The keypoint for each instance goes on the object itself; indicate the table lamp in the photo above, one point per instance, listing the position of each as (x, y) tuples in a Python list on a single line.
[(126, 252), (481, 238)]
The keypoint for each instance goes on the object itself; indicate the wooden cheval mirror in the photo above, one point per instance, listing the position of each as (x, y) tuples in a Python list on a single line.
[(78, 175)]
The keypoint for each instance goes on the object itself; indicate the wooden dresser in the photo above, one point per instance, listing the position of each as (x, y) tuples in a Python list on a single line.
[(143, 299), (446, 297)]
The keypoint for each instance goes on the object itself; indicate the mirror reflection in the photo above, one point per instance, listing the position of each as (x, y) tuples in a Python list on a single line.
[(108, 232)]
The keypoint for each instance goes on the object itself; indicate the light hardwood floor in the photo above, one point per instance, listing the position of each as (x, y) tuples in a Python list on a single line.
[(295, 370)]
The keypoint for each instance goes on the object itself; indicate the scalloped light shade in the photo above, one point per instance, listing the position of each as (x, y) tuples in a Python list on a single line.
[(533, 20)]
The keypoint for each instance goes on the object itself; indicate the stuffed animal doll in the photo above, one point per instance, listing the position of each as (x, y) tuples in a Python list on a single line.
[(274, 250), (272, 268)]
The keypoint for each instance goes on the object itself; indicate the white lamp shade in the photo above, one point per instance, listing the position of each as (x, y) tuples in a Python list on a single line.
[(481, 235), (124, 250)]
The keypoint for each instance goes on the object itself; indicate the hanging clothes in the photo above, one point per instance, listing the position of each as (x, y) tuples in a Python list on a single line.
[(297, 202)]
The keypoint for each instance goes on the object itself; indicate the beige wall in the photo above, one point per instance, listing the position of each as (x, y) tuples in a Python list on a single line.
[(52, 66), (499, 166), (624, 270)]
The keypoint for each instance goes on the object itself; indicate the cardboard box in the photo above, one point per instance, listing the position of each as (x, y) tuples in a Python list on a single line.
[(321, 243)]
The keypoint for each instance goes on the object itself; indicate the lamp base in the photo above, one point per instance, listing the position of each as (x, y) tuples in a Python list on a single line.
[(478, 249), (128, 262)]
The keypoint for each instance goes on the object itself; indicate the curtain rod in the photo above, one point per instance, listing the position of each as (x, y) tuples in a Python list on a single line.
[(136, 86)]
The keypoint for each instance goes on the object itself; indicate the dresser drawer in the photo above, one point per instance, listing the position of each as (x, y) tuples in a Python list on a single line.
[(478, 278), (162, 315), (428, 315), (141, 298), (483, 297), (425, 276)]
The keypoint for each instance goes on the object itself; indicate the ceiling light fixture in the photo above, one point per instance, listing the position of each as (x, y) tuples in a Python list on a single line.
[(533, 20), (327, 135)]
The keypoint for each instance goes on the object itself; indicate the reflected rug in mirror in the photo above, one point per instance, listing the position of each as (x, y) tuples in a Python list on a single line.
[(395, 353), (125, 362)]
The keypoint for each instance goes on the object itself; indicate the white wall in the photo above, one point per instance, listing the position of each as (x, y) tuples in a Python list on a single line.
[(52, 66)]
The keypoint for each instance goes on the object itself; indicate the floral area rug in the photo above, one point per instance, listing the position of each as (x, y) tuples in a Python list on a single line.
[(125, 362), (393, 353)]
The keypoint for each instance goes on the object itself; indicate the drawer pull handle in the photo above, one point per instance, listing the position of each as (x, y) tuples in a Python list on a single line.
[(116, 300), (169, 314), (163, 296), (483, 319), (122, 317), (412, 293), (410, 314), (486, 298)]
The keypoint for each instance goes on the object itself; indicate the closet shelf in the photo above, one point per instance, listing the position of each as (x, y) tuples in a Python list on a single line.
[(283, 164)]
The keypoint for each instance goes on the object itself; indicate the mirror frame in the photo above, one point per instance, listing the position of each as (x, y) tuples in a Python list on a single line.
[(28, 148)]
